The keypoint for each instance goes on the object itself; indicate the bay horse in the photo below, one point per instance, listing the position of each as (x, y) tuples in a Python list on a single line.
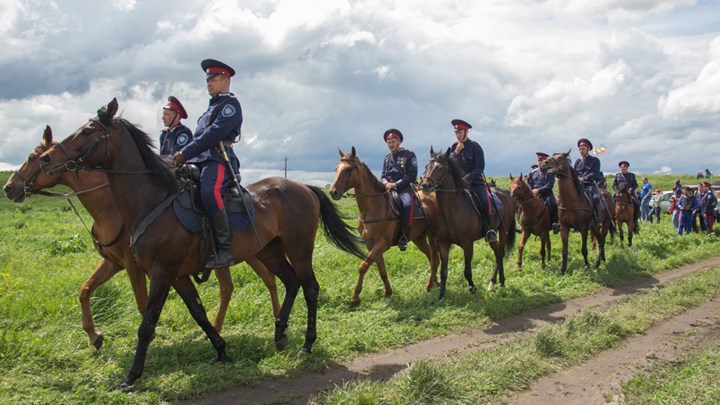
[(378, 225), (534, 217), (107, 232), (458, 221), (286, 219), (625, 213), (575, 211)]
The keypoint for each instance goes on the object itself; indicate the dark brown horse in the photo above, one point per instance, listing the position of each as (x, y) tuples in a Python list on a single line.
[(625, 213), (458, 220), (535, 217), (379, 226), (575, 210), (110, 235), (286, 219)]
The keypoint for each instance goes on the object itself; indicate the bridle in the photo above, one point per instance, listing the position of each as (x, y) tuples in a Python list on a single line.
[(560, 171), (434, 187), (28, 184), (73, 162)]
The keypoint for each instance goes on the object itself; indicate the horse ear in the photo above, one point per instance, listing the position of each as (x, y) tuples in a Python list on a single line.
[(353, 154), (447, 153), (47, 137), (432, 152), (521, 175), (568, 152), (511, 177), (112, 107), (342, 155)]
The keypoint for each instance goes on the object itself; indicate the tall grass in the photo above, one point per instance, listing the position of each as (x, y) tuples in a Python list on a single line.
[(45, 356)]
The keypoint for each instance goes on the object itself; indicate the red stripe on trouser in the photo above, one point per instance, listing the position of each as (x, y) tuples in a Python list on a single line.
[(218, 186), (412, 202), (487, 194)]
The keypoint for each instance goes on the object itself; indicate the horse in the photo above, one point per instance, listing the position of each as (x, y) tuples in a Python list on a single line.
[(535, 217), (141, 182), (459, 222), (107, 230), (575, 211), (378, 225), (624, 213)]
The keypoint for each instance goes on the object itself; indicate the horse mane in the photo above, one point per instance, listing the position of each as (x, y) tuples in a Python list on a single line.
[(163, 171), (576, 181), (457, 174), (374, 182)]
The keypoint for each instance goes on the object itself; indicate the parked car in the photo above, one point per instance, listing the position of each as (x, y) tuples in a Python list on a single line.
[(664, 203)]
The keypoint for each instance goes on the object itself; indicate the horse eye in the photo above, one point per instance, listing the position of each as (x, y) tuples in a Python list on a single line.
[(32, 158)]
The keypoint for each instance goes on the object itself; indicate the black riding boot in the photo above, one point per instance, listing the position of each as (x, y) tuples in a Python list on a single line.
[(222, 257), (490, 236), (405, 233), (598, 217)]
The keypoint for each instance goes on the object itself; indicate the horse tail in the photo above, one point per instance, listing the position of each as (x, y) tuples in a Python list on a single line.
[(336, 230), (511, 237)]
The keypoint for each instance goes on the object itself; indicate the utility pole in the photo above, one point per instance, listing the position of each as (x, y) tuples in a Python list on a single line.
[(286, 160)]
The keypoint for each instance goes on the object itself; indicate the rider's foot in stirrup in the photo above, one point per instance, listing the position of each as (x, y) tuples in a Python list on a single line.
[(491, 236), (598, 227), (402, 243), (556, 228)]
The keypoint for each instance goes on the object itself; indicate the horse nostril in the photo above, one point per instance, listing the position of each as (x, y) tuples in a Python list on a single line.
[(7, 189)]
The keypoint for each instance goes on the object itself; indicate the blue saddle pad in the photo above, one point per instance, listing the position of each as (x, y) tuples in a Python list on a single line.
[(192, 220), (498, 204)]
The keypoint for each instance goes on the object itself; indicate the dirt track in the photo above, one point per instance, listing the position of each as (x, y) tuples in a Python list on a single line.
[(585, 384)]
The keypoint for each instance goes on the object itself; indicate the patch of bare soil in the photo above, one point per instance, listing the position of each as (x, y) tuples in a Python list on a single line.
[(585, 384)]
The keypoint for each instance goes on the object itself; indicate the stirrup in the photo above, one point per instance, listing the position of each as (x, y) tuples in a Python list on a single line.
[(556, 228), (402, 243), (598, 227), (491, 236)]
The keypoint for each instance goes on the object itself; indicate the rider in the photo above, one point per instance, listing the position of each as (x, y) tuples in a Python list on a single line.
[(400, 173), (220, 124), (470, 157), (542, 185), (628, 178), (588, 171), (177, 135)]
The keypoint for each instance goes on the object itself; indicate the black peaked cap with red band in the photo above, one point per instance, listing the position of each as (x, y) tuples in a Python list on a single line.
[(583, 141), (624, 164), (542, 155), (393, 133), (460, 124), (213, 67), (175, 104)]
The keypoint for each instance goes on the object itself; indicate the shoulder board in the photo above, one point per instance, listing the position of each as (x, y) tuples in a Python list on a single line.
[(388, 154), (408, 150), (473, 142), (226, 94), (534, 170), (578, 160)]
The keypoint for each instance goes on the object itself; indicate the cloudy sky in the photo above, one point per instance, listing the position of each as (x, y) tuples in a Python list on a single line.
[(641, 77)]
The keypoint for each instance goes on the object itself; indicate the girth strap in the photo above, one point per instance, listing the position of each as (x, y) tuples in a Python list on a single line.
[(149, 219)]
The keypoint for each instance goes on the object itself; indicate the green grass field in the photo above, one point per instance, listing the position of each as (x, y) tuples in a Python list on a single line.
[(45, 356)]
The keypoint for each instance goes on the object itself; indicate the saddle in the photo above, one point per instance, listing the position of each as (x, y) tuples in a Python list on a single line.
[(494, 208), (397, 205), (235, 200)]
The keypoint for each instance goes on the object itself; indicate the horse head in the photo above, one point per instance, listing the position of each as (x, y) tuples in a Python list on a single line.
[(29, 177), (344, 174), (436, 171), (84, 146), (557, 164)]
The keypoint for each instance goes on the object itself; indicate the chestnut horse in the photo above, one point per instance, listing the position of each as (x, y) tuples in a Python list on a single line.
[(107, 231), (624, 213), (534, 219), (379, 227), (458, 221), (142, 183), (575, 211)]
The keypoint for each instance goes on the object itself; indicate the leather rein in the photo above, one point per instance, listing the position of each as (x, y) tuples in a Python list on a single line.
[(560, 171), (345, 194), (530, 224)]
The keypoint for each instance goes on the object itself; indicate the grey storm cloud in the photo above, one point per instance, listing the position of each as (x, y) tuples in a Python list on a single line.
[(315, 76)]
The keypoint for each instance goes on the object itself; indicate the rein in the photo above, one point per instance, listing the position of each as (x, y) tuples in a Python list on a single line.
[(345, 194), (530, 224), (442, 179)]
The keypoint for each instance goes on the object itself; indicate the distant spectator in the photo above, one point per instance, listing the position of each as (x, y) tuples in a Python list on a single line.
[(677, 190), (674, 211), (657, 198), (699, 174), (687, 205), (645, 196), (708, 173), (707, 207)]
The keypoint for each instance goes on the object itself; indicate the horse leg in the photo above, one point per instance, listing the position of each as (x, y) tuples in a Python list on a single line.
[(186, 289), (525, 237), (311, 290), (226, 289), (159, 287), (105, 270), (431, 253), (584, 249), (269, 280), (383, 275), (444, 251), (543, 242), (468, 253), (364, 266), (631, 229), (620, 232), (547, 243), (280, 266), (564, 235)]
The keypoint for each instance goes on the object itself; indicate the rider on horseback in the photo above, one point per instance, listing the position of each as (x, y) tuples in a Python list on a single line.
[(470, 157), (588, 171), (628, 178), (400, 173), (177, 135), (220, 123), (542, 185)]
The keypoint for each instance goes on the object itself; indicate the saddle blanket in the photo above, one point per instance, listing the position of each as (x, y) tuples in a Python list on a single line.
[(396, 206), (192, 220)]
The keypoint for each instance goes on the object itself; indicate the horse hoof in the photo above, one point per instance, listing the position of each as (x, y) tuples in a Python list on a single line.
[(280, 344), (303, 352), (473, 289), (491, 286), (98, 341), (387, 295), (225, 360), (123, 387), (354, 303)]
